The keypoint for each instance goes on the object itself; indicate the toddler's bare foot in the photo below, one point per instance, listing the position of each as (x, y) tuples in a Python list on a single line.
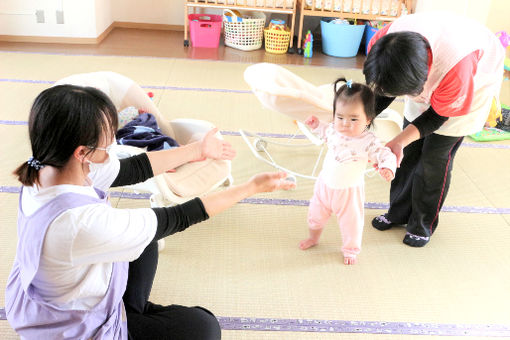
[(349, 260), (309, 242)]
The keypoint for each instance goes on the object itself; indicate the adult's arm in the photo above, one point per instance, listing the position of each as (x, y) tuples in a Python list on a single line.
[(382, 102), (135, 169), (139, 168), (180, 217), (428, 122), (422, 126)]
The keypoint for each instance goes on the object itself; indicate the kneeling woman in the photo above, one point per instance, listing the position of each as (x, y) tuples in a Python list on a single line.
[(83, 269)]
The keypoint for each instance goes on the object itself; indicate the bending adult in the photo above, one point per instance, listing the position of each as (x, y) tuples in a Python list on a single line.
[(449, 68), (83, 269)]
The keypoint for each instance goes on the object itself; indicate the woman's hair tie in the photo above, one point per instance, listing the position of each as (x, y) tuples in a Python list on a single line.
[(34, 163)]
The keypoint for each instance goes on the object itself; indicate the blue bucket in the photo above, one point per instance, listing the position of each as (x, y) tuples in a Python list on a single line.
[(369, 33), (341, 40)]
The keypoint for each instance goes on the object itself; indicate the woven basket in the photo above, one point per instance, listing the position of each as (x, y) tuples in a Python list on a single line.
[(277, 41), (244, 33)]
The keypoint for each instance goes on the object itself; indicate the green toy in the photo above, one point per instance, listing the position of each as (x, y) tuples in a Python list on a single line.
[(489, 134)]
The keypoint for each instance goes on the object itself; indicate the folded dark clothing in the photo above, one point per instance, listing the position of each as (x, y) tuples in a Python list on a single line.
[(504, 124), (143, 131)]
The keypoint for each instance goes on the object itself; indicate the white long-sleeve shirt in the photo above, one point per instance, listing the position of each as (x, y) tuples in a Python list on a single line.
[(82, 243)]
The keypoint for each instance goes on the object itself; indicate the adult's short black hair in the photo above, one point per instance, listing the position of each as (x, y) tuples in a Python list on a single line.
[(398, 64)]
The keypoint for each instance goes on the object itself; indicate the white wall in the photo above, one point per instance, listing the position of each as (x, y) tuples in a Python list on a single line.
[(103, 15), (82, 18), (167, 12), (498, 17)]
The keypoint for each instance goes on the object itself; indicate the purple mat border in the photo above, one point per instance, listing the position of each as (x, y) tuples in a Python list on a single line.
[(264, 134), (361, 327), (28, 81), (13, 122), (152, 87), (300, 203)]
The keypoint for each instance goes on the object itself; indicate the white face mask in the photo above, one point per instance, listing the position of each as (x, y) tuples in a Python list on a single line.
[(93, 167)]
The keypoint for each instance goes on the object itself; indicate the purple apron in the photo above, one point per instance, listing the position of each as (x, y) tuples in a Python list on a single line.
[(33, 318)]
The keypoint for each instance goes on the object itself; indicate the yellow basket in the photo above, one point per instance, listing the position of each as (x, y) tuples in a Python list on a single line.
[(277, 41)]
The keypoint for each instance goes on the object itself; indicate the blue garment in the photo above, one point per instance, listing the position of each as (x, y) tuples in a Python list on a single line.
[(143, 131), (31, 316)]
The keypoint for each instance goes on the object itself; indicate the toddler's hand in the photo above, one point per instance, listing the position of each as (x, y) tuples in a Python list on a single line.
[(387, 174), (312, 122), (271, 181), (215, 148)]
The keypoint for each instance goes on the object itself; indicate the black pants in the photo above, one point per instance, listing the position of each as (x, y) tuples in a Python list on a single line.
[(421, 183), (150, 321)]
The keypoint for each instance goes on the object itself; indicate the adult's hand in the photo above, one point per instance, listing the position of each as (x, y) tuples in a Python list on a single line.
[(397, 148), (403, 139), (271, 181), (215, 148), (265, 182)]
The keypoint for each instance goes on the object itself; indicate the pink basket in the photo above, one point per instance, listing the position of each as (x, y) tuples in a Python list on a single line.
[(205, 30)]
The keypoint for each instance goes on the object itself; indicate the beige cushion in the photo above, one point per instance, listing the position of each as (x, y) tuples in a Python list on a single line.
[(195, 179), (191, 179)]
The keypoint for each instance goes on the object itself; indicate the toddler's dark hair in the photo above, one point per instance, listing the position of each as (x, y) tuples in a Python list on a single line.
[(353, 92)]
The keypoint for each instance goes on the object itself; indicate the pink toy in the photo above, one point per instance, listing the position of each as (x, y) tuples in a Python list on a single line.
[(504, 38)]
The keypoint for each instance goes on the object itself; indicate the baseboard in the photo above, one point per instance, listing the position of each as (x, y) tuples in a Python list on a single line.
[(147, 26), (105, 33), (90, 41), (49, 40)]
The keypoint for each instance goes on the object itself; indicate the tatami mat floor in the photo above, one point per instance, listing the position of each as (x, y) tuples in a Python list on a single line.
[(245, 262)]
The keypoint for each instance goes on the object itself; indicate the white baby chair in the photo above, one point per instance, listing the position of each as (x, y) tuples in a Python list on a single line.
[(189, 180), (282, 91)]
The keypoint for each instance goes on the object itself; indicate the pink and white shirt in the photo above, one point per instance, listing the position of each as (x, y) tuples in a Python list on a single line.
[(347, 158)]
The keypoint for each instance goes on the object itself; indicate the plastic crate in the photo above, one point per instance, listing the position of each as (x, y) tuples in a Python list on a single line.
[(244, 33), (276, 41), (205, 30), (369, 34), (340, 40)]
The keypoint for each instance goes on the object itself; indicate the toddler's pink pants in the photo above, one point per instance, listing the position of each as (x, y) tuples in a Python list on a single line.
[(347, 205)]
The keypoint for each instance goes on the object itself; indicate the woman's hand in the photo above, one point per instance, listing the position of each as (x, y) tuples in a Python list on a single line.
[(271, 181), (215, 148), (403, 139), (387, 174), (265, 182), (397, 148), (312, 122)]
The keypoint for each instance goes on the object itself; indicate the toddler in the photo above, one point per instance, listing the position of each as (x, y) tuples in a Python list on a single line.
[(340, 186)]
